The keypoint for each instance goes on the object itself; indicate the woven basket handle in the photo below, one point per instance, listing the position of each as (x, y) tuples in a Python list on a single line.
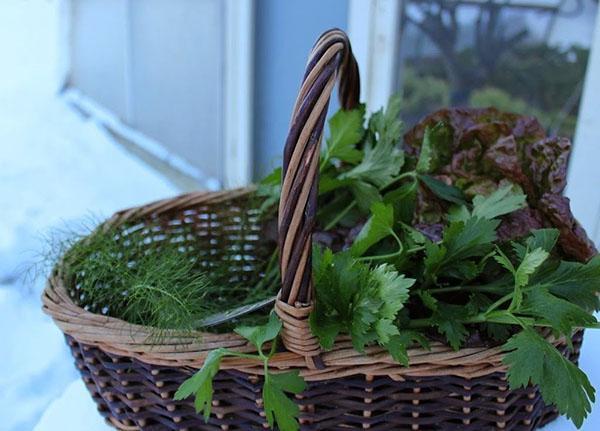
[(330, 57)]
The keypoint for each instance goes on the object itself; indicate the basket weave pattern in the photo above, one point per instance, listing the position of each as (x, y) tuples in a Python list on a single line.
[(133, 379), (134, 395)]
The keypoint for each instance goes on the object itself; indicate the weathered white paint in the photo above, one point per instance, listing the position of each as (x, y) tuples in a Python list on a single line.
[(98, 51), (374, 29), (160, 67), (584, 169), (238, 92)]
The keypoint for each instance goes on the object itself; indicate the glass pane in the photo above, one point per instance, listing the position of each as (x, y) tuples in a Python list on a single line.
[(520, 56)]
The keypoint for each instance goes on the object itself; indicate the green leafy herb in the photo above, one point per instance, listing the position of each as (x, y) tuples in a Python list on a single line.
[(259, 335), (424, 162), (157, 283), (573, 281), (346, 131), (531, 358), (200, 384), (530, 263), (279, 409), (562, 315), (380, 225), (434, 140), (443, 190), (462, 240), (353, 298), (448, 320), (398, 345), (502, 201), (379, 166)]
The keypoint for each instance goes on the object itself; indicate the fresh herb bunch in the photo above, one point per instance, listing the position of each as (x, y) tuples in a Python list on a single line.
[(461, 235), (151, 280)]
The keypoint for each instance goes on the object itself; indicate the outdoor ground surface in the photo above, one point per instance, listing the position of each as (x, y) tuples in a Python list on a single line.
[(58, 170)]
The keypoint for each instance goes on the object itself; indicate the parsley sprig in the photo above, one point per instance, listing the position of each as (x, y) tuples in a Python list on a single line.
[(279, 409)]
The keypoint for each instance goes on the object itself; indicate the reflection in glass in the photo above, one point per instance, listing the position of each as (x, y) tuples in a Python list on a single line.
[(520, 56)]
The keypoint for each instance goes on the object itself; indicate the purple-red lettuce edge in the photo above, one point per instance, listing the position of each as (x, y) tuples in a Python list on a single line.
[(487, 146)]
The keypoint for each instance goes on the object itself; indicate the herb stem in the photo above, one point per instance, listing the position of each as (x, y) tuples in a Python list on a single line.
[(499, 302), (484, 288), (341, 215), (389, 255), (244, 355), (409, 174)]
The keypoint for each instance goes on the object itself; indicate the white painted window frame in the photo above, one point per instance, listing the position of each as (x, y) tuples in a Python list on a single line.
[(374, 30), (584, 168), (238, 84)]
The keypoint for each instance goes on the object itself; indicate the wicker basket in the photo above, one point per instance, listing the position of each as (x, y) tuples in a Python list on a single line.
[(133, 381)]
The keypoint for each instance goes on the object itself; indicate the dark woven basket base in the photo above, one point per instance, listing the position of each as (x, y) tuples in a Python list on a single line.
[(133, 395)]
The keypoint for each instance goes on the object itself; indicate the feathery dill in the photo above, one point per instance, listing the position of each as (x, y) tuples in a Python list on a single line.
[(156, 280)]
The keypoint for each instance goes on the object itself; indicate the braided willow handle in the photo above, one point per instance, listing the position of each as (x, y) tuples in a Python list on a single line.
[(330, 56)]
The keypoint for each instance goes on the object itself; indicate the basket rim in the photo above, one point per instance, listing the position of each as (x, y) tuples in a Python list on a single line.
[(177, 349)]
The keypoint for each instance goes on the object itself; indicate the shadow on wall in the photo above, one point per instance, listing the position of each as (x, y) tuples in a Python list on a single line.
[(285, 33)]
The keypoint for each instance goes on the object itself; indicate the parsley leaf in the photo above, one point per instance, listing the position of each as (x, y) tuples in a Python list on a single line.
[(530, 263), (563, 315), (258, 335), (404, 200), (542, 238), (381, 163), (379, 226), (382, 159), (386, 125), (532, 359), (353, 298), (576, 282), (539, 238), (424, 162), (462, 240), (200, 383), (376, 304), (447, 318), (365, 194), (278, 407), (502, 201), (346, 130), (398, 345), (443, 190), (335, 277)]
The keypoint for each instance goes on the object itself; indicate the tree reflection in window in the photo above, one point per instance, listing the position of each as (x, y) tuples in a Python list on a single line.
[(521, 56)]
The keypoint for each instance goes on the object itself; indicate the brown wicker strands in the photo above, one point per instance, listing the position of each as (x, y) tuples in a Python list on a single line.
[(134, 395), (133, 379), (330, 56)]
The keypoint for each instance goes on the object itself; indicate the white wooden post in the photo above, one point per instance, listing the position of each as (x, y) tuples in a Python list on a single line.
[(584, 168), (374, 29), (239, 82)]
